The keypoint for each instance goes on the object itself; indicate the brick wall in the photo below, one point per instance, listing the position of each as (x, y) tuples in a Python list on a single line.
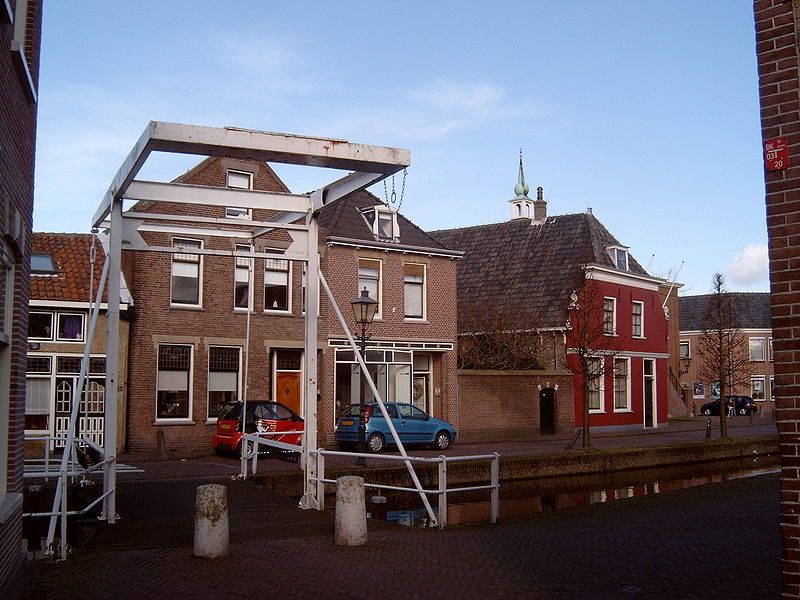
[(17, 149), (506, 403), (776, 23)]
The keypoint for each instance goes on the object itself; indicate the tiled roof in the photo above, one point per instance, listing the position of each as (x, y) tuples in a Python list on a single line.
[(751, 310), (528, 268), (344, 219), (70, 254)]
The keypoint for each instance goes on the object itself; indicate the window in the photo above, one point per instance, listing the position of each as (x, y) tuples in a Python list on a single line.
[(620, 257), (40, 326), (757, 388), (772, 388), (684, 350), (42, 264), (186, 270), (369, 276), (173, 400), (756, 349), (622, 399), (610, 316), (276, 284), (770, 350), (595, 376), (637, 324), (241, 181), (38, 392), (7, 314), (383, 222), (70, 327), (242, 290), (414, 290), (223, 377)]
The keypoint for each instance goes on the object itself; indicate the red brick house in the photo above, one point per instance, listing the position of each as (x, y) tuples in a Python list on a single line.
[(525, 270), (20, 40), (751, 313), (194, 347), (62, 283)]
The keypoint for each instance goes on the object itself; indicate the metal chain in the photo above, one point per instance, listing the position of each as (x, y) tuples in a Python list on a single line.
[(393, 198)]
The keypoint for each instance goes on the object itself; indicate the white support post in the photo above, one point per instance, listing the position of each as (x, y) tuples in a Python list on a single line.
[(112, 363), (495, 486), (442, 491), (310, 499), (320, 477)]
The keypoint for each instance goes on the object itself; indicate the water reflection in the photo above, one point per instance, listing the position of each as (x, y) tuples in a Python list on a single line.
[(526, 497)]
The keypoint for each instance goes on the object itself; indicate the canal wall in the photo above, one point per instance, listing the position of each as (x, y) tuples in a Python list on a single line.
[(561, 464)]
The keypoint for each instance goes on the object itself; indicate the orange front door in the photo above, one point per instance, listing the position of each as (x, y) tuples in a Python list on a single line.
[(287, 389)]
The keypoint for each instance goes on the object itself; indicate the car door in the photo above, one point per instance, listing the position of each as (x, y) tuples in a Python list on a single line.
[(414, 424)]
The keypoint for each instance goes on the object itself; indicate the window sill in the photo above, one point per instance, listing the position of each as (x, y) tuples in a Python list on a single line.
[(622, 410), (610, 334), (211, 421), (593, 411), (197, 307), (638, 337), (279, 313), (421, 321), (69, 341), (9, 504), (173, 422)]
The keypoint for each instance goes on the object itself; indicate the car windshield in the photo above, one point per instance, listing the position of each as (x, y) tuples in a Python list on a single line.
[(230, 412)]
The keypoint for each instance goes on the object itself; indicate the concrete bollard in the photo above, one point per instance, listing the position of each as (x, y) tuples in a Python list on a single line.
[(211, 521), (351, 514)]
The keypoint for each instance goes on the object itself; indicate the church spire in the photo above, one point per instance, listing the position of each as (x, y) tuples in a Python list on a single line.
[(521, 189)]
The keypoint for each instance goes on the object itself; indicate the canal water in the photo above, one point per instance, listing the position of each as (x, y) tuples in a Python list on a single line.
[(531, 496)]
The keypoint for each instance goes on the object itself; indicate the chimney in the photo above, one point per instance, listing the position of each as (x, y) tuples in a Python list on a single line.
[(539, 206)]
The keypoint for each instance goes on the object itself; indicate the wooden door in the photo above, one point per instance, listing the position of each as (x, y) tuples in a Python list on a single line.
[(287, 389)]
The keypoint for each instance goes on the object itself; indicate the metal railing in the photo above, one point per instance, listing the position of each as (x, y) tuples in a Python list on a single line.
[(252, 441), (441, 491)]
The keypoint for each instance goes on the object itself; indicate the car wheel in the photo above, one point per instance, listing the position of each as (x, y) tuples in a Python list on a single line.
[(742, 411), (442, 440), (706, 411), (375, 443)]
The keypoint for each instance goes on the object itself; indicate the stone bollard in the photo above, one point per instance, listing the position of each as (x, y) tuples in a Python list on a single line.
[(351, 514), (211, 521)]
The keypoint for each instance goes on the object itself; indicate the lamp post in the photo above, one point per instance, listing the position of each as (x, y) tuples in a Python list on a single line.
[(364, 309)]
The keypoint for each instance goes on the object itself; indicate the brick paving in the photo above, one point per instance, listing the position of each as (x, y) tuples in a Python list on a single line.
[(713, 541)]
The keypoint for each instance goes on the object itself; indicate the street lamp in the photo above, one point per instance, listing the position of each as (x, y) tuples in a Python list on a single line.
[(364, 309)]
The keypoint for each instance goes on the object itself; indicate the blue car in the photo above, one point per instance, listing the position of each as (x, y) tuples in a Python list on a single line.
[(412, 425)]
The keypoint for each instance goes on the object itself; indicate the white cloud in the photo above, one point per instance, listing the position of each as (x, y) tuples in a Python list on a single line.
[(751, 265)]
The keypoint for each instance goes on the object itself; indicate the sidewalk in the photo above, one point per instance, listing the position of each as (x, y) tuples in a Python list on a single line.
[(673, 545)]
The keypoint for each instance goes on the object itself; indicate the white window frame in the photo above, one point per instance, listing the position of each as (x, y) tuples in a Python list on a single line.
[(233, 212), (374, 222), (57, 331), (176, 420), (424, 315), (771, 388), (20, 59), (769, 349), (209, 418), (763, 344), (288, 309), (50, 378), (600, 390), (641, 319), (758, 379), (688, 346), (240, 264), (613, 316), (359, 287), (614, 253), (627, 361), (176, 244), (52, 324)]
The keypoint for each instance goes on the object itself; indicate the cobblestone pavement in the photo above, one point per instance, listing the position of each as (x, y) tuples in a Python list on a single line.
[(714, 541)]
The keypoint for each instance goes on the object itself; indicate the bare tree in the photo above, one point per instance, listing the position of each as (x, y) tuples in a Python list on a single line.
[(499, 339), (722, 347), (591, 342)]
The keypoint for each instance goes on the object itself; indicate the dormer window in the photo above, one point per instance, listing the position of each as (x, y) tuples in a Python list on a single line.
[(42, 264), (383, 222), (239, 180), (620, 257)]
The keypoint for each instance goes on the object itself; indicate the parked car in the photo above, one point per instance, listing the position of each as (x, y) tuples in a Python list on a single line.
[(744, 406), (413, 425), (262, 416)]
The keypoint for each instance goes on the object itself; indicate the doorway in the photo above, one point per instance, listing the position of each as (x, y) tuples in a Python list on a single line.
[(547, 411), (288, 371), (649, 393)]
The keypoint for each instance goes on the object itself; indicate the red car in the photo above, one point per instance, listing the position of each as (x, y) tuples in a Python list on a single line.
[(262, 416)]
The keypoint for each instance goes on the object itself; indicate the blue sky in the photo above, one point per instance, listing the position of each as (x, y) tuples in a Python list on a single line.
[(644, 110)]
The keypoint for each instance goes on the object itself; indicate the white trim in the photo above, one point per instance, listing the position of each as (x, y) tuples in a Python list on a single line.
[(763, 380), (424, 317), (250, 278), (57, 328), (763, 349), (613, 331), (643, 282), (379, 312), (688, 347), (239, 391), (289, 280), (390, 247), (70, 304), (601, 377), (761, 331), (178, 420), (655, 392), (632, 354), (628, 405), (199, 303)]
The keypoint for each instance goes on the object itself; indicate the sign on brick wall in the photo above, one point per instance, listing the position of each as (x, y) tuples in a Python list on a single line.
[(776, 154)]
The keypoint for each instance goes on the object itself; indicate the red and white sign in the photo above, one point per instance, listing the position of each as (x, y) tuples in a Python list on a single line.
[(776, 154)]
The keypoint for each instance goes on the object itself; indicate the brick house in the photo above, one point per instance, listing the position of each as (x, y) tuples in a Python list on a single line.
[(751, 311), (524, 270), (62, 283), (207, 327), (20, 40)]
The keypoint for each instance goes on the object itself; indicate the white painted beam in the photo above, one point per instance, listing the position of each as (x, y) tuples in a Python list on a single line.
[(181, 193), (345, 186)]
